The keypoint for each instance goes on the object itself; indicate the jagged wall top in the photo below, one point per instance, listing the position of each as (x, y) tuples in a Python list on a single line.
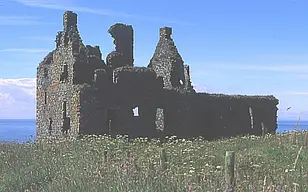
[(124, 41), (69, 19), (165, 32), (168, 63)]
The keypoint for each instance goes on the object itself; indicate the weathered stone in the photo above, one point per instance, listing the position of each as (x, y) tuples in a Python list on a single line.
[(115, 59), (123, 40), (168, 63), (77, 93)]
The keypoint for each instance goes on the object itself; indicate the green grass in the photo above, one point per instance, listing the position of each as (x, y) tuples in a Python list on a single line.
[(262, 164)]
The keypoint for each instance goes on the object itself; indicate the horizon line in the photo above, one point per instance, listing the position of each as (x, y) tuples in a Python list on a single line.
[(35, 119)]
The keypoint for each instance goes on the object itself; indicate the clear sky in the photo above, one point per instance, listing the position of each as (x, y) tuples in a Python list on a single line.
[(233, 47)]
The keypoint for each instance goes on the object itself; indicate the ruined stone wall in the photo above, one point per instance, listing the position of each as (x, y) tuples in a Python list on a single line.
[(187, 83), (86, 62), (59, 77), (77, 90), (214, 115), (56, 99), (136, 80), (123, 40), (218, 115), (135, 87), (107, 107), (92, 113), (167, 62), (174, 113), (42, 83)]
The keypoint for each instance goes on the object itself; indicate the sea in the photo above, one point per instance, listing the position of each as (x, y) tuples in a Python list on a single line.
[(23, 130)]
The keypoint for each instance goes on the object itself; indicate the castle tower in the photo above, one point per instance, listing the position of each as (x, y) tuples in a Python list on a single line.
[(123, 40), (69, 19), (167, 62), (61, 79)]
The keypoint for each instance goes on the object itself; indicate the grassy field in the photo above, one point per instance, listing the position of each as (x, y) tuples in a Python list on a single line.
[(104, 164)]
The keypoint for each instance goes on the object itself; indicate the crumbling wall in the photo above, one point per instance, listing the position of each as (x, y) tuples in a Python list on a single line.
[(167, 62), (140, 80), (175, 115), (218, 115), (188, 86), (100, 80), (42, 83), (107, 107), (215, 115), (86, 62), (57, 100), (136, 87), (77, 93), (92, 114), (85, 58), (123, 40), (58, 77), (55, 94)]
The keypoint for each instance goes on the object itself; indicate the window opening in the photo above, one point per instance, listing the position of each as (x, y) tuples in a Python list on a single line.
[(50, 125), (64, 109), (64, 73), (45, 97), (136, 112), (45, 72)]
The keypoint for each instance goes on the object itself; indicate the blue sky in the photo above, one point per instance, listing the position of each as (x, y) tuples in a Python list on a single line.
[(233, 47)]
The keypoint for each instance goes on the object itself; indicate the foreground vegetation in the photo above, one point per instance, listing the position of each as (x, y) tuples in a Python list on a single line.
[(270, 163)]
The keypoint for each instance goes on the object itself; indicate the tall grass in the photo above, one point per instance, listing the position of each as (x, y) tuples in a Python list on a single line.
[(100, 163)]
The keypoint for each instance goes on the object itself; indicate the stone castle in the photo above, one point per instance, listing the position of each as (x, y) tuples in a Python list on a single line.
[(80, 93)]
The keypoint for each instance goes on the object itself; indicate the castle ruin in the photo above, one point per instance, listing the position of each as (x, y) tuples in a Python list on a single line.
[(80, 93)]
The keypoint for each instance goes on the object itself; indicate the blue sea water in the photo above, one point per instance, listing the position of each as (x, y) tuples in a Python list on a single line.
[(22, 130)]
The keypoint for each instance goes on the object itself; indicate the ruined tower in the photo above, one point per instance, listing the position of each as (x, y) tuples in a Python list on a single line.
[(168, 63), (123, 40), (60, 79)]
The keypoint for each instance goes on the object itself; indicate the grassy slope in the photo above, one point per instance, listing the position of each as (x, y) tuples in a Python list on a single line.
[(262, 164)]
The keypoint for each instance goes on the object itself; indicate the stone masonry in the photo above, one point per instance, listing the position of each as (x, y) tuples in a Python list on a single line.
[(80, 93)]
